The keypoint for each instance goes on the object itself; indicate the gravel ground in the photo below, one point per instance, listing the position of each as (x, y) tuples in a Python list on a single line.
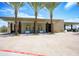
[(58, 44)]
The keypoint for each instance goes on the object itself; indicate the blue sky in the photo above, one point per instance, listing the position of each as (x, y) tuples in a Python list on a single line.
[(67, 11)]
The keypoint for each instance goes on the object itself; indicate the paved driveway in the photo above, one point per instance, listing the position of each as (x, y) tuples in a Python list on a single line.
[(58, 44)]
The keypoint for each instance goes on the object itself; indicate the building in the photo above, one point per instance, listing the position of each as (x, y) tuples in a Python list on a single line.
[(25, 25)]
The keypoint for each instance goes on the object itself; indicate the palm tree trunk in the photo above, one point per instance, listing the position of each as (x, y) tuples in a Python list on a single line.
[(35, 23), (51, 16), (16, 24)]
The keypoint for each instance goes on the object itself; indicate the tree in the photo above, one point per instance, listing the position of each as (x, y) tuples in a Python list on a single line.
[(16, 6), (3, 29), (36, 6), (51, 6)]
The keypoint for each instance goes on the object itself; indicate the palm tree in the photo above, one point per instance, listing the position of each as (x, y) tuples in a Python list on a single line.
[(51, 6), (36, 6), (16, 6)]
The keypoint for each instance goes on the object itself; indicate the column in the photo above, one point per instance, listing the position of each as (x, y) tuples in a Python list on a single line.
[(71, 27), (9, 27), (19, 30), (64, 27)]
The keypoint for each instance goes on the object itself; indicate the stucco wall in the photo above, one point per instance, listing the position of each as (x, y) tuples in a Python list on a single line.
[(58, 26)]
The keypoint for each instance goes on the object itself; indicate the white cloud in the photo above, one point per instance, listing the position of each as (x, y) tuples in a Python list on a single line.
[(69, 4), (5, 11), (72, 20), (21, 14), (3, 23), (24, 15)]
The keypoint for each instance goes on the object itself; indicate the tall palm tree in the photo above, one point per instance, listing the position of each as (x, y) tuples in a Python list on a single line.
[(51, 6), (36, 6), (16, 6)]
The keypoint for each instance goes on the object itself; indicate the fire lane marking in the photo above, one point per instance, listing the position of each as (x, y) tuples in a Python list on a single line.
[(29, 53)]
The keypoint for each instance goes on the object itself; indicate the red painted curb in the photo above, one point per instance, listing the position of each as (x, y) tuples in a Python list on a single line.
[(30, 53)]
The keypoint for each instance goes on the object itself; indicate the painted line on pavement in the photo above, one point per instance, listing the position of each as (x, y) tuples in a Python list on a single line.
[(29, 53)]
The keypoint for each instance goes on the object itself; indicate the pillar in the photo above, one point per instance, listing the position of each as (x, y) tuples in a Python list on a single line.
[(64, 27), (19, 29), (9, 27), (71, 27)]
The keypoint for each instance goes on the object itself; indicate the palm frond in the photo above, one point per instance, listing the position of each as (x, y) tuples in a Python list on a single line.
[(36, 5), (51, 5), (16, 4), (77, 3)]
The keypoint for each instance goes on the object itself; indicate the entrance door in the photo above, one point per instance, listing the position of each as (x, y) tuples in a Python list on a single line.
[(11, 28), (48, 27), (19, 30)]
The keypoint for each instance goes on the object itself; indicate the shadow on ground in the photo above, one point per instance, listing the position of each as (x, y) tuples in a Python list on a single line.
[(31, 34), (6, 34), (76, 33)]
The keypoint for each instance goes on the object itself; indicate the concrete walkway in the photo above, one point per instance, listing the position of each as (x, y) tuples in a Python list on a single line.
[(66, 43)]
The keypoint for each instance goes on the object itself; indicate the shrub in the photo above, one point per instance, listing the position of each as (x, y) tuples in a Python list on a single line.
[(3, 29)]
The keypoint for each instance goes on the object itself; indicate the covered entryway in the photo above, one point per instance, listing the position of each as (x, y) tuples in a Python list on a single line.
[(19, 30), (12, 27), (48, 27)]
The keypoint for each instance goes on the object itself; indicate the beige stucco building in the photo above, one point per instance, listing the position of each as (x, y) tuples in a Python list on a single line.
[(25, 25)]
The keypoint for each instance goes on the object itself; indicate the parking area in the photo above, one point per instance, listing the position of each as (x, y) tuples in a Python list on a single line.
[(58, 44)]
